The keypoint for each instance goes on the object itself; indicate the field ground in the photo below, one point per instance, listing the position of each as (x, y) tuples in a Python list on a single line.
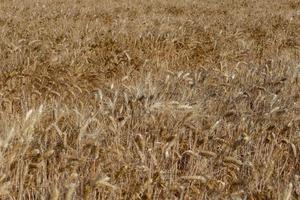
[(128, 99)]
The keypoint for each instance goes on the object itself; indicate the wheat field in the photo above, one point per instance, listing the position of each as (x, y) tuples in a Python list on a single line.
[(157, 99)]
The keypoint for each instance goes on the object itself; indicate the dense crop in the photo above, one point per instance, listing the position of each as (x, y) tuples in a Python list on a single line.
[(127, 99)]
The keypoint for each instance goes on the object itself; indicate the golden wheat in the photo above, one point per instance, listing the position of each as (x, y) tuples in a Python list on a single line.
[(149, 99)]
